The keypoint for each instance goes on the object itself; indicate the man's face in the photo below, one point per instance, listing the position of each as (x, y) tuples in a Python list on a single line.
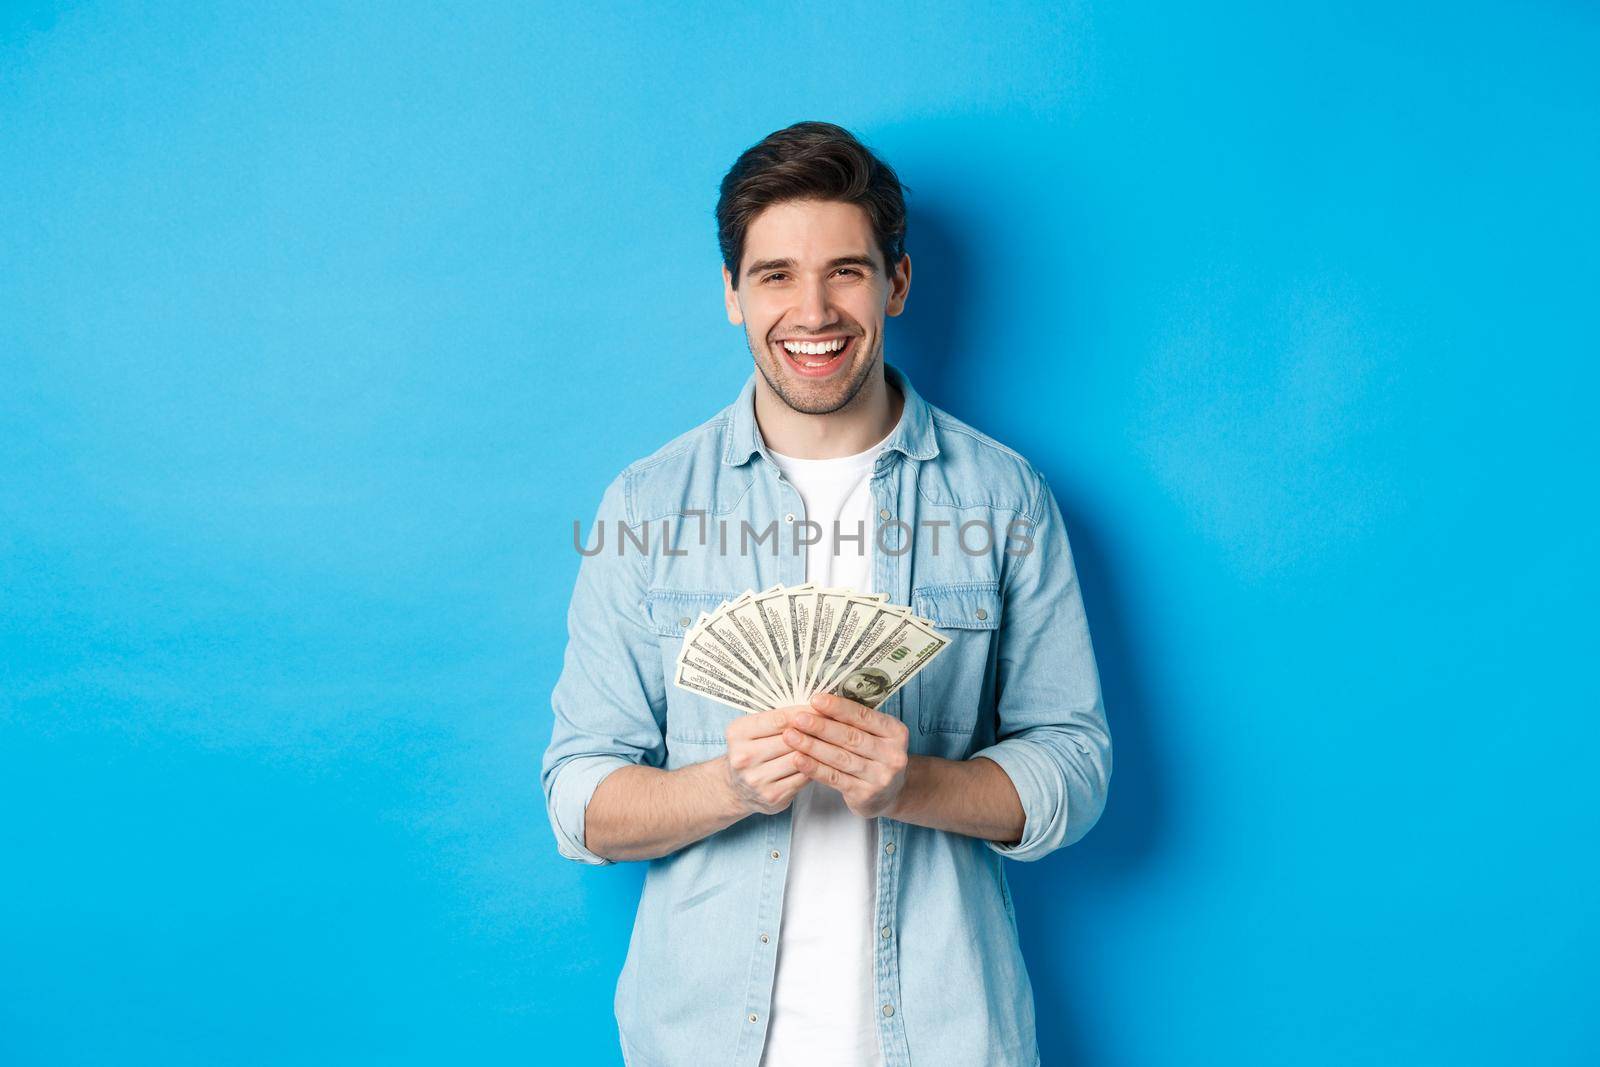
[(864, 686), (813, 275)]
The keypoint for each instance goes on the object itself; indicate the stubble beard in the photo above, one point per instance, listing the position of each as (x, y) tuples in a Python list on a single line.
[(790, 392)]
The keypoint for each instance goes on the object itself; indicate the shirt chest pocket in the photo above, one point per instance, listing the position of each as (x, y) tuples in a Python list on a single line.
[(691, 718), (954, 694)]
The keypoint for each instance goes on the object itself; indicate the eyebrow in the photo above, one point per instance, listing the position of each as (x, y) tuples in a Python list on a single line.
[(788, 264)]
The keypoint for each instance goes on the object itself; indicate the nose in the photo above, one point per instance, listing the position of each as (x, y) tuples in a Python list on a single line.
[(814, 311)]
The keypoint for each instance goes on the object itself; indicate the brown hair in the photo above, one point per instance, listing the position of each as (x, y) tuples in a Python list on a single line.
[(810, 161)]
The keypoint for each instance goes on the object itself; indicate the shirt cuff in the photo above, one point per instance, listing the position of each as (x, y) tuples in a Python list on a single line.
[(1043, 792), (568, 802)]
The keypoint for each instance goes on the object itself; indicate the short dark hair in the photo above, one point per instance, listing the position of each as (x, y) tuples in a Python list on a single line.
[(810, 161)]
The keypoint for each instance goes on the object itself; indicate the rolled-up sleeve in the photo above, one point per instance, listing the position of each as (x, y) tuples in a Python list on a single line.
[(1052, 739), (609, 701)]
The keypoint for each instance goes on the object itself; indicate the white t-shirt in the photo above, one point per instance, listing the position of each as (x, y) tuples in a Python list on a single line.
[(823, 1000)]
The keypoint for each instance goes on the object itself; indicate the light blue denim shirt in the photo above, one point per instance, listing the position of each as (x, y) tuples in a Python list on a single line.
[(970, 536)]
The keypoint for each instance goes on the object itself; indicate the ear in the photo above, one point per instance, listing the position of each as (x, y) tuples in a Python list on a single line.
[(731, 299), (899, 287)]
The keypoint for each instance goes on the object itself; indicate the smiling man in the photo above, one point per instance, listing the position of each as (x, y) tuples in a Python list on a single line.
[(824, 881)]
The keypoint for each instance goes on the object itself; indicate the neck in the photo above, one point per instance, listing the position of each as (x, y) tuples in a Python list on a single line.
[(869, 417)]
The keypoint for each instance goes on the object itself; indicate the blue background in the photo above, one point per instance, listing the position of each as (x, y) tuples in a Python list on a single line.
[(318, 329)]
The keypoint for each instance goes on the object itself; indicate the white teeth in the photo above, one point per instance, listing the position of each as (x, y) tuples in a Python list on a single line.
[(809, 348)]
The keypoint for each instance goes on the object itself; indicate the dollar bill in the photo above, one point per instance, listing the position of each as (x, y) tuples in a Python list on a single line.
[(893, 662), (722, 634), (779, 646), (694, 678), (708, 652)]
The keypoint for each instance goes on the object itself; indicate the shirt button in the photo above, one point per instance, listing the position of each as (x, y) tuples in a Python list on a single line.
[(982, 614), (789, 517), (883, 513), (774, 853), (889, 848), (752, 1016), (763, 939), (888, 1010), (884, 932), (684, 621)]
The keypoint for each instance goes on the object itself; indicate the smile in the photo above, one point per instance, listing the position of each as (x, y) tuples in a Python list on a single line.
[(817, 359)]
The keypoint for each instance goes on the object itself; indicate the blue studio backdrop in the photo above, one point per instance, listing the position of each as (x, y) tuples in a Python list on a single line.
[(319, 327)]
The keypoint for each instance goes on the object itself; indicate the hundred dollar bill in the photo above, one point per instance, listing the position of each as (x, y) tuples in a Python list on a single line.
[(696, 680), (830, 602), (887, 627), (893, 663), (874, 628), (781, 645), (758, 629), (829, 609), (772, 609), (833, 606), (851, 615), (723, 634), (744, 620), (802, 610), (705, 651)]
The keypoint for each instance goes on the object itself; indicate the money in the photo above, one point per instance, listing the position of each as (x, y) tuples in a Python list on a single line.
[(783, 645)]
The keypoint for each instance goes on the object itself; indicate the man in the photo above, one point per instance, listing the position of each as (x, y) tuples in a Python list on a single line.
[(824, 882)]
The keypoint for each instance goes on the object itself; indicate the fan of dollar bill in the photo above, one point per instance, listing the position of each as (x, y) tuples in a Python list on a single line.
[(780, 647)]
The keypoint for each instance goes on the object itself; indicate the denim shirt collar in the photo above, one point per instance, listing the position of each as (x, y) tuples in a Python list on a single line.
[(912, 435)]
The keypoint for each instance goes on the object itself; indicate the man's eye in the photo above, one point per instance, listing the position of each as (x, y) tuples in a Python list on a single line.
[(850, 270), (774, 277)]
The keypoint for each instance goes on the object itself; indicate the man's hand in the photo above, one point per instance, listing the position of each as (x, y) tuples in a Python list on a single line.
[(762, 767), (849, 746)]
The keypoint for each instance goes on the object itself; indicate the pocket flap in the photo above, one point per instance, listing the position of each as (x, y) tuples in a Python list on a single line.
[(960, 605), (672, 611)]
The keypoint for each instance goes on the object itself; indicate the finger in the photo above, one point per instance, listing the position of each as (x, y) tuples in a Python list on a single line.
[(840, 709), (847, 736), (828, 774), (774, 769), (753, 753), (794, 781), (832, 755), (762, 724)]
